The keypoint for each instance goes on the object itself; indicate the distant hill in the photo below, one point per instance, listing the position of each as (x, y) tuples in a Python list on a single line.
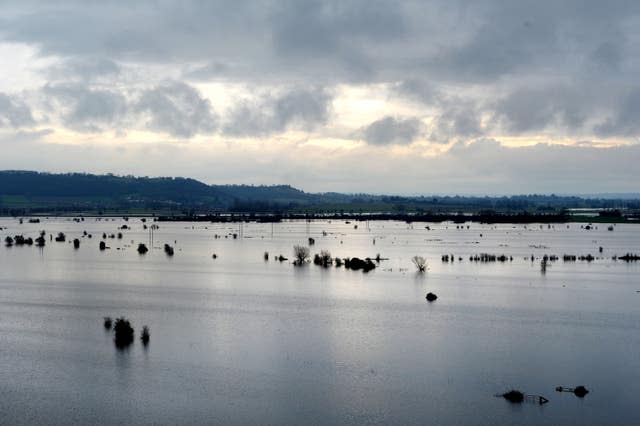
[(29, 192)]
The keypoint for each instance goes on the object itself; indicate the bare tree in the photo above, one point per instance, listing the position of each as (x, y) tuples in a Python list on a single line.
[(301, 254), (420, 262)]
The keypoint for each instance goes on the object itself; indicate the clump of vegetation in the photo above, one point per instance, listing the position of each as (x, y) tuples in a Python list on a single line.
[(266, 255), (119, 235), (431, 297), (301, 255), (486, 257), (20, 240), (311, 241), (76, 243), (168, 250), (142, 248), (579, 391), (124, 332), (102, 246), (61, 238), (338, 262), (40, 241), (543, 265), (8, 241), (281, 258), (108, 322), (323, 259), (214, 256), (145, 335), (514, 396), (420, 263), (629, 257), (358, 264)]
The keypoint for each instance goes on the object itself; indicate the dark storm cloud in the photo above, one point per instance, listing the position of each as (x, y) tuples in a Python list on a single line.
[(300, 109), (392, 131), (14, 112)]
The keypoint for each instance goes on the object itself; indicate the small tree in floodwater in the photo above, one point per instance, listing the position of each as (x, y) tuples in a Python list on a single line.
[(145, 335), (420, 263), (123, 332), (301, 254)]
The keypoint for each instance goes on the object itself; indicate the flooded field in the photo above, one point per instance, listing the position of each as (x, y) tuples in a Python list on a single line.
[(240, 339)]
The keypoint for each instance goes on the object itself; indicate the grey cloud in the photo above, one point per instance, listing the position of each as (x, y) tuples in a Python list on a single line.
[(533, 109), (176, 109), (392, 131), (418, 90), (459, 121), (85, 109), (84, 69), (339, 41), (625, 120), (301, 109), (14, 112)]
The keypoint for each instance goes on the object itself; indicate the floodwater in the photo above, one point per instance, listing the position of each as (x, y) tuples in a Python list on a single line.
[(240, 340)]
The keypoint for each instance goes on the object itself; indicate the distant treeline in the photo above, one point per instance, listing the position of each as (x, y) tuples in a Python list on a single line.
[(483, 217), (28, 193)]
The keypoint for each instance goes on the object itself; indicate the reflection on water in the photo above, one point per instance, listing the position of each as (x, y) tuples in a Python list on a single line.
[(238, 339)]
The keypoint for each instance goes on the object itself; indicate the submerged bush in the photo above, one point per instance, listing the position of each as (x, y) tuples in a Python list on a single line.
[(61, 238), (431, 297), (420, 263), (123, 332), (145, 335), (107, 323), (301, 254), (357, 264), (76, 243), (514, 396), (323, 259), (102, 246), (142, 248), (168, 250)]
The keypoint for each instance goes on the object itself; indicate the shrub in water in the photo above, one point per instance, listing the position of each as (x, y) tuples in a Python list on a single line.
[(514, 396), (145, 335), (123, 332)]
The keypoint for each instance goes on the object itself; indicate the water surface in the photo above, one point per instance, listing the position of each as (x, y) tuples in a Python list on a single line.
[(240, 340)]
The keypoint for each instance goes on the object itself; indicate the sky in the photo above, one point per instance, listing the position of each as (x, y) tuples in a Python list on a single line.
[(399, 97)]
